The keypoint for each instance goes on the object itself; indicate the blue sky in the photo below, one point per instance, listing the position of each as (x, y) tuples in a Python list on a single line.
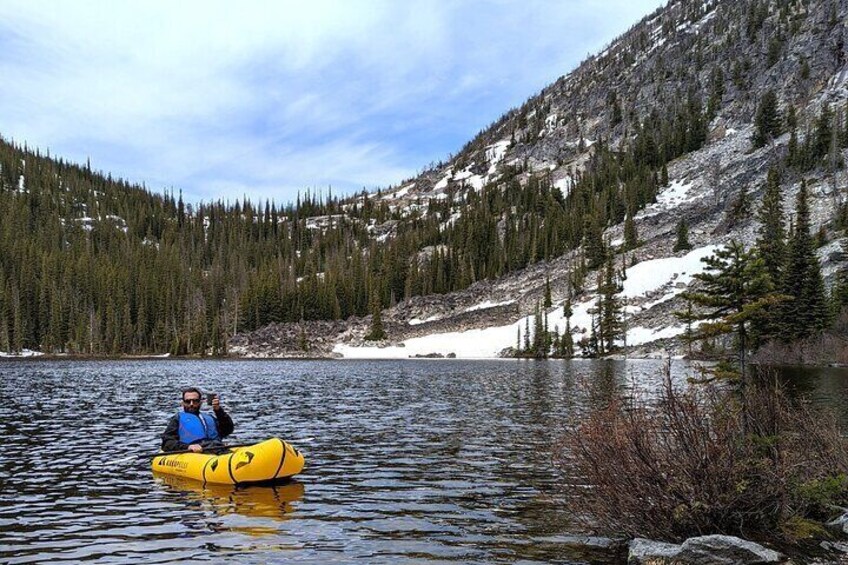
[(224, 99)]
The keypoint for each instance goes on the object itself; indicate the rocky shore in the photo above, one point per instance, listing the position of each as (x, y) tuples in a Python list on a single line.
[(703, 550)]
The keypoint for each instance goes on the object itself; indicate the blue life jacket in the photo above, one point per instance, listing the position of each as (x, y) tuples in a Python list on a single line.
[(197, 428)]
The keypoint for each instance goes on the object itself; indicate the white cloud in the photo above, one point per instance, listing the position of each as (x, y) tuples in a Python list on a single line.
[(276, 96)]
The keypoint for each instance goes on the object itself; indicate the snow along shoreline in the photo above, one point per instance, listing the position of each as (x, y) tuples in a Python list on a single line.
[(668, 274)]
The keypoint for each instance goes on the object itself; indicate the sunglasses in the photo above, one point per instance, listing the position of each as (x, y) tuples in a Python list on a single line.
[(191, 401)]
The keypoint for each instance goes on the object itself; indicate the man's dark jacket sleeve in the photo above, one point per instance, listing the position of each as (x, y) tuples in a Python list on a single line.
[(171, 436), (225, 423)]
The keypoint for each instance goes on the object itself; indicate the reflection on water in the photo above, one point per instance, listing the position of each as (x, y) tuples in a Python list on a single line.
[(823, 386), (258, 501), (412, 462)]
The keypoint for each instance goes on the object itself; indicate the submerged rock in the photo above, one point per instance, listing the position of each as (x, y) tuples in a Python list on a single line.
[(703, 550)]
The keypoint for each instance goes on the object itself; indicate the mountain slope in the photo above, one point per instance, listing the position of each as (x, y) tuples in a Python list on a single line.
[(721, 56), (90, 264)]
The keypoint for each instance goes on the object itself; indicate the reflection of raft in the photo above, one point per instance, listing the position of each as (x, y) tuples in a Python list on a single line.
[(257, 502), (270, 460)]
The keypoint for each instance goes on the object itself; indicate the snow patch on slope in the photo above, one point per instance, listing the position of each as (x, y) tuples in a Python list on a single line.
[(487, 304), (403, 191), (676, 193), (495, 153), (564, 185), (643, 278)]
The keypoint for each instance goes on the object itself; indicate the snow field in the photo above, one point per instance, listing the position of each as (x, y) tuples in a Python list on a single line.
[(642, 278)]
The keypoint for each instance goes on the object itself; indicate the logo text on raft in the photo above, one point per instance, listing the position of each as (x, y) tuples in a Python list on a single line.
[(165, 462)]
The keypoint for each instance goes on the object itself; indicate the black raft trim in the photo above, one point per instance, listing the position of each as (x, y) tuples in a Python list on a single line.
[(282, 458), (203, 474), (230, 467)]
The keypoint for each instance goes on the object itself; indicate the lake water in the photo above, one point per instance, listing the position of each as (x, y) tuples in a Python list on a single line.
[(407, 461)]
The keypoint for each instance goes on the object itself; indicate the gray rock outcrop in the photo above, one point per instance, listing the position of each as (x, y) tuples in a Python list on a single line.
[(703, 550)]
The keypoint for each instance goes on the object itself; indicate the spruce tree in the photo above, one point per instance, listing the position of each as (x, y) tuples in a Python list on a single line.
[(771, 236), (741, 208), (539, 338), (610, 311), (567, 341), (807, 312), (682, 242), (793, 151), (631, 236), (767, 120), (824, 132), (615, 109), (688, 317), (839, 294), (734, 290), (716, 93), (593, 243), (592, 345), (377, 332)]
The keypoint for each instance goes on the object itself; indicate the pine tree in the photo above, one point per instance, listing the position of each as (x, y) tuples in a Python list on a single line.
[(615, 109), (610, 311), (741, 208), (767, 120), (716, 93), (824, 132), (734, 291), (807, 313), (839, 294), (567, 341), (593, 243), (688, 317), (548, 302), (631, 236), (539, 346), (377, 332), (682, 242), (771, 240), (793, 152)]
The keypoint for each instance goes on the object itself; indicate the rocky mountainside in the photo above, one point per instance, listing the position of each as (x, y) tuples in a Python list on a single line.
[(722, 56)]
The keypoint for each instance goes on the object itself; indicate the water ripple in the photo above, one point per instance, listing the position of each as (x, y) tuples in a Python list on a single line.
[(414, 462)]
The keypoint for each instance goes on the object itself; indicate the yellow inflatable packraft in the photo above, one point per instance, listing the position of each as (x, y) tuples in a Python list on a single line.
[(270, 460)]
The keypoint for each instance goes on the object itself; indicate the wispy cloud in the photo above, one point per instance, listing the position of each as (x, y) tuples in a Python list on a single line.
[(224, 99)]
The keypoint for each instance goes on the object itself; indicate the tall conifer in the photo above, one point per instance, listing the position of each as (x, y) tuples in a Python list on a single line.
[(734, 291), (767, 121), (771, 236), (807, 312), (610, 313), (682, 241)]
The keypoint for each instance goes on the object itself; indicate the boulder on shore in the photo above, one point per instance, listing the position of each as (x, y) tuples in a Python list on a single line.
[(703, 550)]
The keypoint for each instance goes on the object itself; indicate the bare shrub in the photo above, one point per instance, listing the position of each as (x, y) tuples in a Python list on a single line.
[(692, 462)]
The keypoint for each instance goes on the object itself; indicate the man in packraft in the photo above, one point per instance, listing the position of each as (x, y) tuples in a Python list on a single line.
[(193, 430)]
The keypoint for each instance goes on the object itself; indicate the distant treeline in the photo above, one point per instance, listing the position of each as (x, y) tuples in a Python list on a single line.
[(92, 264)]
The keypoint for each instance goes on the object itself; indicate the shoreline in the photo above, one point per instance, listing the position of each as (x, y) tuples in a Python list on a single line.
[(160, 357)]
